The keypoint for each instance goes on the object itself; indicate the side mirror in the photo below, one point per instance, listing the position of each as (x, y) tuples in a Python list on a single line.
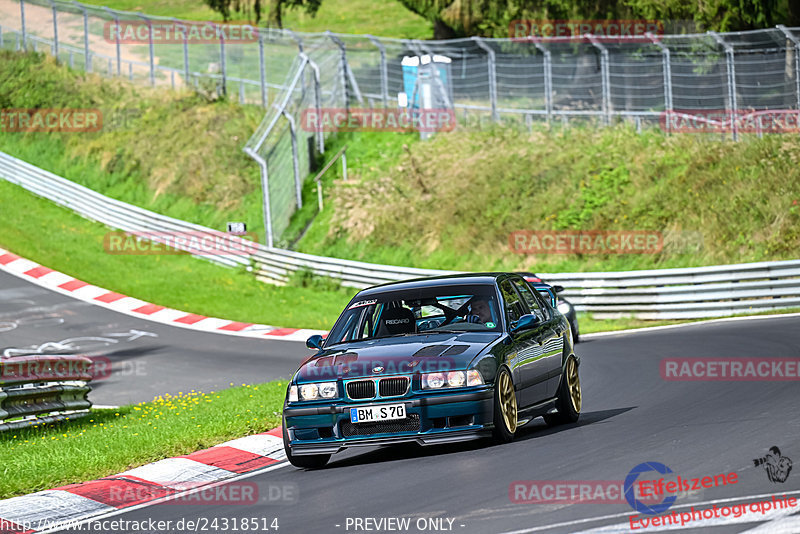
[(525, 322), (558, 289), (314, 342)]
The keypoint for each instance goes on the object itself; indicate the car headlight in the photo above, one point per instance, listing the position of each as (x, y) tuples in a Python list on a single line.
[(453, 379), (564, 307), (314, 391)]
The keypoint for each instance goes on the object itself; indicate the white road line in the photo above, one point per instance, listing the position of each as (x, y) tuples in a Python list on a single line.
[(162, 500), (650, 529)]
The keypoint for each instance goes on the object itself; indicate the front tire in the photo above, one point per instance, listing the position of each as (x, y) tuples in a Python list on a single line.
[(505, 407), (569, 400), (305, 461)]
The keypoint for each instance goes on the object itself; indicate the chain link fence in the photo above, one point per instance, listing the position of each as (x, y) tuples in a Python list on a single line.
[(649, 81)]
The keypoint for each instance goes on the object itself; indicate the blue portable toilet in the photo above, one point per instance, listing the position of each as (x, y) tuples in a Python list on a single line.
[(417, 71)]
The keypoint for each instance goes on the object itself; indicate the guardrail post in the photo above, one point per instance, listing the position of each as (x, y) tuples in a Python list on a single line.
[(492, 67), (152, 51), (732, 106), (22, 27), (116, 22), (666, 60), (317, 100), (789, 35), (55, 29), (605, 79), (384, 70), (295, 160), (262, 67), (186, 72)]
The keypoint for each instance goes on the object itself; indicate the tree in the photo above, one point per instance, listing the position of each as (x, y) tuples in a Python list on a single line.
[(252, 9), (491, 18)]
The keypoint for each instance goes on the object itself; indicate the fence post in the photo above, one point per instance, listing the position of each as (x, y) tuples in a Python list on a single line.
[(186, 72), (55, 29), (87, 60), (729, 61), (24, 33), (384, 70), (262, 164), (548, 78), (604, 77), (492, 75), (152, 50), (116, 21), (317, 100), (222, 64), (796, 42), (666, 59), (295, 160), (262, 67), (346, 73)]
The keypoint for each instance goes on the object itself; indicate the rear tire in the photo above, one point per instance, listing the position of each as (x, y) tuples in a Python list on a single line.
[(569, 400), (305, 461), (505, 407)]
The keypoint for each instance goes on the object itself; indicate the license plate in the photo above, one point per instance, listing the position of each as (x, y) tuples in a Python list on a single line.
[(386, 412)]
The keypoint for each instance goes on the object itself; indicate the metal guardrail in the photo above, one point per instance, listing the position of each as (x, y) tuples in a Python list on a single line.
[(40, 389), (695, 292)]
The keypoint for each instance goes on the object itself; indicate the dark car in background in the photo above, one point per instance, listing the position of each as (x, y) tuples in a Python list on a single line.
[(564, 306), (432, 361)]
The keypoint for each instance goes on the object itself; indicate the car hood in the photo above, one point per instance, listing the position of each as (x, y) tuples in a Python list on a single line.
[(397, 355)]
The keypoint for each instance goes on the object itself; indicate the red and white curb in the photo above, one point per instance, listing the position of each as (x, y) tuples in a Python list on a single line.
[(161, 481), (67, 285)]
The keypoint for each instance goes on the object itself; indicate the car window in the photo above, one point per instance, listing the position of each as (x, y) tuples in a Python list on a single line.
[(421, 310), (534, 305), (514, 307)]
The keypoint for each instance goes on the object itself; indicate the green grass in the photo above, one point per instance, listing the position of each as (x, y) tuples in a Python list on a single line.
[(58, 238), (452, 202), (385, 18), (111, 441)]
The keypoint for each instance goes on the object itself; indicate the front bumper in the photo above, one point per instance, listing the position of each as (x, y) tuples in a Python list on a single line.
[(444, 417)]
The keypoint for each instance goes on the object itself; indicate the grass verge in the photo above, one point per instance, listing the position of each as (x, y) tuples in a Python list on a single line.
[(56, 237), (107, 442)]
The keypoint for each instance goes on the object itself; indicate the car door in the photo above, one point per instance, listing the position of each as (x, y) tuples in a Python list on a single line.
[(552, 335), (528, 367)]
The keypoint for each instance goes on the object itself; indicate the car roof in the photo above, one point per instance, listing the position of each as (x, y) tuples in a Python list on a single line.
[(446, 280)]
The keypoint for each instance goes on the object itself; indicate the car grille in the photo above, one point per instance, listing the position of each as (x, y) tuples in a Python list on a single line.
[(409, 424), (361, 389), (393, 387)]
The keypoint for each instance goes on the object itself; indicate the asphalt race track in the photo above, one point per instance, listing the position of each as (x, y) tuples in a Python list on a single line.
[(146, 358), (630, 415)]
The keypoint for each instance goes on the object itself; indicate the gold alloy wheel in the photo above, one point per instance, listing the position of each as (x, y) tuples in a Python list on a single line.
[(508, 402), (574, 383)]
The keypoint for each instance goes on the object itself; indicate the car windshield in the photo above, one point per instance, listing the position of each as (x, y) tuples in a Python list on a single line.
[(446, 308)]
